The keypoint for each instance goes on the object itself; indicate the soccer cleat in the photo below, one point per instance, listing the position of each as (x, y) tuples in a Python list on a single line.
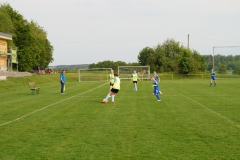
[(159, 100), (104, 101), (113, 102)]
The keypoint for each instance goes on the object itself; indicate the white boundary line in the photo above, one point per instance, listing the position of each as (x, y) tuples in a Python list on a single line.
[(3, 124), (216, 113)]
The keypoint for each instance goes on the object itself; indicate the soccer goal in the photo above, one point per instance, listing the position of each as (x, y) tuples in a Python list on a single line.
[(94, 74), (125, 72)]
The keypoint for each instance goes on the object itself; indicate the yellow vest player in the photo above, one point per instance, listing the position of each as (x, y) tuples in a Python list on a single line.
[(115, 89)]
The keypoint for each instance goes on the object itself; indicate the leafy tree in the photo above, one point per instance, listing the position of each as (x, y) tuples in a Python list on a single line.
[(236, 70), (143, 55), (185, 62), (170, 56), (6, 24), (34, 49), (222, 69)]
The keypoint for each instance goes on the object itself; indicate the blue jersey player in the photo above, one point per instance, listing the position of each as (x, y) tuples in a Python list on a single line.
[(156, 90), (157, 78), (213, 78)]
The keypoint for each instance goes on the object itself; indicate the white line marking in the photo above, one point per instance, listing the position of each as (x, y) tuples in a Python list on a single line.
[(49, 106), (218, 114)]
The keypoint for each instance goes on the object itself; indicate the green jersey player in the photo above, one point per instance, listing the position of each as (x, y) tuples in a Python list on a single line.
[(135, 78)]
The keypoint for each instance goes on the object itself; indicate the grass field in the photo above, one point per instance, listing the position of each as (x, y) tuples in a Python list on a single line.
[(193, 121)]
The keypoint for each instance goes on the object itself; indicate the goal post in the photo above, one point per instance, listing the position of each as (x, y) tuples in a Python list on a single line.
[(94, 74), (126, 71)]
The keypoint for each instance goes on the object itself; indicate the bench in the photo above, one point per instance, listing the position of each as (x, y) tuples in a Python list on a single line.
[(33, 88)]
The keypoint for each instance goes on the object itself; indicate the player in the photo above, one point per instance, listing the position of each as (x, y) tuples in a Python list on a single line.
[(134, 79), (111, 78), (157, 78), (115, 89), (213, 78), (156, 90)]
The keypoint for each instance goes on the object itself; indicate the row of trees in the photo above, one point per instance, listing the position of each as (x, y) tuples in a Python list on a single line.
[(170, 56), (34, 49), (230, 62), (112, 64)]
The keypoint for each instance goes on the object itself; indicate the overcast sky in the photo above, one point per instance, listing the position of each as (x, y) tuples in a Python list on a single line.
[(90, 31)]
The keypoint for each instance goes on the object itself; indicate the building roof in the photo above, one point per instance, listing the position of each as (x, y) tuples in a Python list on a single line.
[(5, 36)]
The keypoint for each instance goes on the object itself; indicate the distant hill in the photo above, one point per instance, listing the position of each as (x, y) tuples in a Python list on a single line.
[(67, 67)]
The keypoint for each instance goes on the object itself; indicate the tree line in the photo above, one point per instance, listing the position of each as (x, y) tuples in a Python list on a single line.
[(170, 56), (34, 49)]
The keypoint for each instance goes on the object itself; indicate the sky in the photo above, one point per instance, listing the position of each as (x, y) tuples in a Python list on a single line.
[(91, 31)]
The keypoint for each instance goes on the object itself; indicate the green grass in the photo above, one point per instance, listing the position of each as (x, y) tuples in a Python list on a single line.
[(193, 121)]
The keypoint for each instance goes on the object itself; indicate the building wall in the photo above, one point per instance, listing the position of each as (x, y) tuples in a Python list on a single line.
[(3, 58)]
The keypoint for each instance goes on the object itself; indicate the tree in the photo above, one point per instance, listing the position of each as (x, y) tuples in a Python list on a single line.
[(222, 69), (143, 55), (236, 70), (184, 63), (34, 49), (6, 24)]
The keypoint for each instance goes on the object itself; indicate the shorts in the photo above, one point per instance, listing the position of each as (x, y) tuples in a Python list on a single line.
[(213, 78), (111, 84), (156, 92), (135, 82), (114, 90)]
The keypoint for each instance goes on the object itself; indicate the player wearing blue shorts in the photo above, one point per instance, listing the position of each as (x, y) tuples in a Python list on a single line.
[(213, 78), (156, 90)]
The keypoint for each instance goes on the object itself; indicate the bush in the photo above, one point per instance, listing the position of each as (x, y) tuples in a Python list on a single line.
[(222, 69), (236, 70)]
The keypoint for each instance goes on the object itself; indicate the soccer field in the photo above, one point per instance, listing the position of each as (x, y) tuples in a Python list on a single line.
[(193, 121)]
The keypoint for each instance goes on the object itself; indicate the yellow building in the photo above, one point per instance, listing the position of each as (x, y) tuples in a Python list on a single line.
[(8, 55)]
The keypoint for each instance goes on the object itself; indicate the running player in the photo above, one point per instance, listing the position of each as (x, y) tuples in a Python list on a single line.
[(213, 78), (156, 90), (135, 78), (115, 89)]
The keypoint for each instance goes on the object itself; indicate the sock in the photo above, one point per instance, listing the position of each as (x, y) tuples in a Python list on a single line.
[(107, 97), (113, 98), (158, 97), (215, 84), (136, 88), (210, 84)]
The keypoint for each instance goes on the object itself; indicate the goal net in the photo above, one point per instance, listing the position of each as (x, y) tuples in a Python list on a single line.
[(125, 72), (94, 74)]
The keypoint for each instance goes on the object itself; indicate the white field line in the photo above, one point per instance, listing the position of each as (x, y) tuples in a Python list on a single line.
[(216, 113), (49, 106)]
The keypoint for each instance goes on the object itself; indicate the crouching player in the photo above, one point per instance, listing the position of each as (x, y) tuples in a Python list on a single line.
[(156, 90), (115, 89)]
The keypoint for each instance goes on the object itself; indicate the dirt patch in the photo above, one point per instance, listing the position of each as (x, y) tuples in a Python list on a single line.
[(15, 74)]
